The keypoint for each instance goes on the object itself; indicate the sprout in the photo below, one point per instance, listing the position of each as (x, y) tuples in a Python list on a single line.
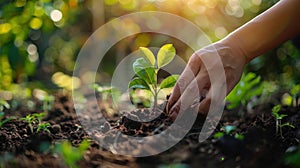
[(146, 70)]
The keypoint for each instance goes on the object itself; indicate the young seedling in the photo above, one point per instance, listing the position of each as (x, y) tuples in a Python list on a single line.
[(227, 130), (279, 117), (43, 127), (146, 71), (30, 120), (71, 154), (39, 116), (35, 118), (249, 86)]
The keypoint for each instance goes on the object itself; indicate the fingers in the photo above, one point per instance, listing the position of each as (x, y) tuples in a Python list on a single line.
[(184, 80), (202, 106), (192, 92)]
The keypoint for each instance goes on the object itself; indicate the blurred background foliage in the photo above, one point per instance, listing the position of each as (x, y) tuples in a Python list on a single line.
[(40, 39)]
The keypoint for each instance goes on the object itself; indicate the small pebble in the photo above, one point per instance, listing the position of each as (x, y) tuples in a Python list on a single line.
[(56, 128)]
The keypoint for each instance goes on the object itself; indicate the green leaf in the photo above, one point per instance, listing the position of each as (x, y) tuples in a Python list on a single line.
[(276, 109), (239, 136), (140, 64), (288, 124), (281, 116), (83, 146), (249, 86), (169, 81), (148, 75), (165, 55), (218, 135), (138, 83), (148, 55)]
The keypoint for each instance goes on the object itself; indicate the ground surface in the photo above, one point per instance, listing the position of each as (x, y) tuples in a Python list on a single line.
[(261, 146)]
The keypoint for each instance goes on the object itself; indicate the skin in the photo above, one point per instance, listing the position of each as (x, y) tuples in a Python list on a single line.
[(266, 31)]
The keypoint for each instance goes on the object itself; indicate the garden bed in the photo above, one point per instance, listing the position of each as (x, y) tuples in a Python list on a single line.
[(260, 146)]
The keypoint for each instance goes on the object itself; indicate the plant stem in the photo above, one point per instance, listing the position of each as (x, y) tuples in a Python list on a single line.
[(155, 99), (280, 129), (155, 89), (277, 126)]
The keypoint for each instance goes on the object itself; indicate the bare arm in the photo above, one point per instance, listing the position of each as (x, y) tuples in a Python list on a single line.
[(276, 25)]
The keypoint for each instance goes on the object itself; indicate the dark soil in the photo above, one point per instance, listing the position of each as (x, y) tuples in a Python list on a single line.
[(261, 146)]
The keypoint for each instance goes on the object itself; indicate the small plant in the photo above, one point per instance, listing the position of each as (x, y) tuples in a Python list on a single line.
[(227, 130), (43, 127), (146, 71), (279, 117), (71, 154), (249, 86), (39, 116), (3, 105), (32, 119)]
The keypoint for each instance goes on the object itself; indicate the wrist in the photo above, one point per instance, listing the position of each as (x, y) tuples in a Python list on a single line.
[(235, 48), (237, 45)]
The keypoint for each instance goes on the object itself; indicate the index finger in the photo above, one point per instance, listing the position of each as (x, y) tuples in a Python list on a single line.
[(188, 74)]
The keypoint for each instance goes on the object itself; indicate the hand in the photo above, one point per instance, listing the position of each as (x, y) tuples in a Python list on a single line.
[(195, 77)]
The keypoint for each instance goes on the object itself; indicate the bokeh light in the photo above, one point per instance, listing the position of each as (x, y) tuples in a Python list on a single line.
[(56, 15)]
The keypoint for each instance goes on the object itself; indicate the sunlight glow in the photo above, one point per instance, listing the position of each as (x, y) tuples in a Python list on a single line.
[(65, 81), (36, 23), (221, 32), (56, 15), (256, 2), (5, 28)]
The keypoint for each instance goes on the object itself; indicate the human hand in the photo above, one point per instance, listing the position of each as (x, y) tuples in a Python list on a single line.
[(196, 78)]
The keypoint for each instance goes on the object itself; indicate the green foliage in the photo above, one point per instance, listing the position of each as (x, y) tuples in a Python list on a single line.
[(228, 130), (148, 55), (30, 120), (147, 67), (39, 116), (295, 90), (43, 127), (249, 86), (165, 55), (275, 111), (33, 119), (33, 32), (70, 154)]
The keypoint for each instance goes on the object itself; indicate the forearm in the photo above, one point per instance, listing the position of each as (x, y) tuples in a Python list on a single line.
[(266, 31)]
